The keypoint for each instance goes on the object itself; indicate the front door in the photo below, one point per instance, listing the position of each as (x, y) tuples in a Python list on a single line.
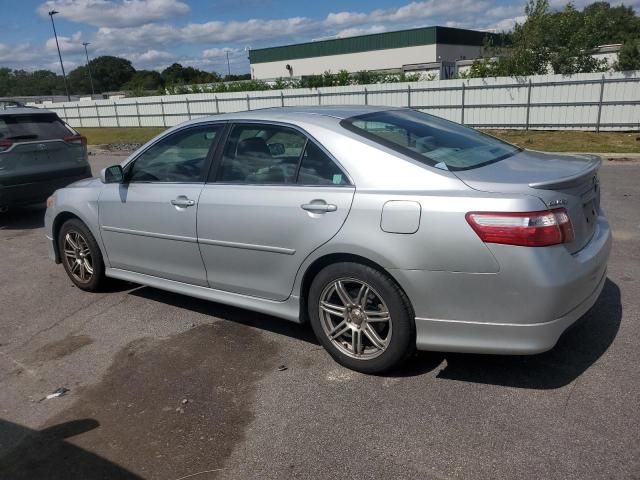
[(277, 196), (148, 223)]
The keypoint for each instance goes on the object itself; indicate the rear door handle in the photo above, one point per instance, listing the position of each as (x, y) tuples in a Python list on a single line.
[(183, 201), (319, 207)]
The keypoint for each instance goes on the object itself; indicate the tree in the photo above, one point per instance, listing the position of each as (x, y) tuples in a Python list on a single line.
[(559, 41), (176, 74), (79, 82), (144, 81), (110, 73), (629, 57)]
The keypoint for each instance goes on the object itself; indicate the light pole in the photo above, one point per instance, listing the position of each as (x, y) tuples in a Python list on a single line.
[(228, 65), (64, 76), (88, 67)]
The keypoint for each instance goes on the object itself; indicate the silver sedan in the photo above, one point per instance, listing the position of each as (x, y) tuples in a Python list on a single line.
[(386, 229)]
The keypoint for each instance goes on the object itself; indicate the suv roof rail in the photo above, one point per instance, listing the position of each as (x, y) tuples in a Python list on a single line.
[(4, 104)]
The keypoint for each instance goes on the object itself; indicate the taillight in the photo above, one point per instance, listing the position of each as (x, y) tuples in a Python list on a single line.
[(76, 140), (5, 145), (527, 229)]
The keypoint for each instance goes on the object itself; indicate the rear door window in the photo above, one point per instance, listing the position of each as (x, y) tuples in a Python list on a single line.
[(263, 154), (33, 127), (318, 169)]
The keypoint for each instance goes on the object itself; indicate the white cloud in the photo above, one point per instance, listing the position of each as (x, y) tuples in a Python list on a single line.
[(68, 45), (17, 54), (115, 13)]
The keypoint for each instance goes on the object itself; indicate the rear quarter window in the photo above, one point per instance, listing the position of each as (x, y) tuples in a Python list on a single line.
[(33, 127)]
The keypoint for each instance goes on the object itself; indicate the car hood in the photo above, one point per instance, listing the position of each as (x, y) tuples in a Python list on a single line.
[(86, 182)]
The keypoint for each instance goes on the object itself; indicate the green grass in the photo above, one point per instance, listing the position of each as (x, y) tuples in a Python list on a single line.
[(102, 136), (572, 141), (552, 141)]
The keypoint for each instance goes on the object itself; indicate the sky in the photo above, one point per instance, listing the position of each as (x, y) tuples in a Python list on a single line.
[(153, 34)]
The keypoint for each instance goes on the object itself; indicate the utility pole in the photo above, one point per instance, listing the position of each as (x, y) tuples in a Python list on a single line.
[(88, 67), (64, 76), (228, 65)]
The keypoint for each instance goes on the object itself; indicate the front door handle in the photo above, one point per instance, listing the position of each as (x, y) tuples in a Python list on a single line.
[(319, 207), (183, 202)]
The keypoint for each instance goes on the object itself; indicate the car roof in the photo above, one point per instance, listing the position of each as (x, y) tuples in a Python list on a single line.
[(24, 111), (320, 114)]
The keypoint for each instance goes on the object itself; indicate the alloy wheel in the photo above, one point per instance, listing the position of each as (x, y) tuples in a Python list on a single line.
[(77, 256), (355, 318)]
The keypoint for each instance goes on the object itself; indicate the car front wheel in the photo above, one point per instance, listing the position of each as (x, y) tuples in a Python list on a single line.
[(361, 317), (81, 255)]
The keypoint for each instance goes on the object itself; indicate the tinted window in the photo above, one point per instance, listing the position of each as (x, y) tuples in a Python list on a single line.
[(181, 157), (429, 139), (33, 127), (318, 169), (265, 154)]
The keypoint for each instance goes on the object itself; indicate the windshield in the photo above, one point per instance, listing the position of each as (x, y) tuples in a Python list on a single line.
[(429, 139)]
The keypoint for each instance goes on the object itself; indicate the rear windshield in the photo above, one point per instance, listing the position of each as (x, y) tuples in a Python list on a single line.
[(33, 127), (430, 140)]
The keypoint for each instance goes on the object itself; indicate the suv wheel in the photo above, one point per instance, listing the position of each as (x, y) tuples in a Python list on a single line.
[(361, 317)]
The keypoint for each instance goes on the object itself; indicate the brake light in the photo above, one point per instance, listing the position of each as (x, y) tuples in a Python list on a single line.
[(5, 145), (76, 140), (527, 229)]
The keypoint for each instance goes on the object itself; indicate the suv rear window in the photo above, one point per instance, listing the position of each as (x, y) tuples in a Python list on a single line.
[(429, 139), (33, 127)]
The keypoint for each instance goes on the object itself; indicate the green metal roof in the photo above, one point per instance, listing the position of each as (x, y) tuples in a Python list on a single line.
[(367, 43)]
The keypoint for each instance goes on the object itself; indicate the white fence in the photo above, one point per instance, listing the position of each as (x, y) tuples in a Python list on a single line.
[(609, 101)]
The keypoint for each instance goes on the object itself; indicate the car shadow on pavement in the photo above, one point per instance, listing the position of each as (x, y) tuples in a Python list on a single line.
[(23, 218), (578, 348), (232, 314), (33, 454)]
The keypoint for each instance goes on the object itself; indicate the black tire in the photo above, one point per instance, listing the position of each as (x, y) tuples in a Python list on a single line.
[(97, 279), (401, 323)]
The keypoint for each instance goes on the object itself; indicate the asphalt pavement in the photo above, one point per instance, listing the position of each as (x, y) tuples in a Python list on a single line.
[(163, 386)]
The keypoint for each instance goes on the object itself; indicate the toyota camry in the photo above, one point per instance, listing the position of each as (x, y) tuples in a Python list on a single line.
[(386, 229)]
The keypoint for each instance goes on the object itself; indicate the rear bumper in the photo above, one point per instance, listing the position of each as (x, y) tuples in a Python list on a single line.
[(499, 338), (522, 309), (35, 192)]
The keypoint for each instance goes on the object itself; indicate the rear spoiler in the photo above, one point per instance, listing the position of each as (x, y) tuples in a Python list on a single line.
[(592, 165)]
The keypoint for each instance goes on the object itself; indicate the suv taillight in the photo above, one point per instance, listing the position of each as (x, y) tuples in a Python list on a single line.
[(5, 145), (76, 140), (526, 229)]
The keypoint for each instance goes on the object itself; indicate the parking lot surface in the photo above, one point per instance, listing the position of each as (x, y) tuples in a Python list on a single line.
[(163, 386)]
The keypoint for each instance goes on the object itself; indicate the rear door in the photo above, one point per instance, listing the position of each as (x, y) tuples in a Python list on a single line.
[(39, 147), (148, 223), (276, 197)]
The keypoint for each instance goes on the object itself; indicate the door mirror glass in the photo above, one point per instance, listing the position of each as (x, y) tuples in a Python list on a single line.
[(112, 174)]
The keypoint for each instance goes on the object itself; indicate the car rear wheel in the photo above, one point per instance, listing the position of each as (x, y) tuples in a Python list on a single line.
[(81, 256), (361, 317)]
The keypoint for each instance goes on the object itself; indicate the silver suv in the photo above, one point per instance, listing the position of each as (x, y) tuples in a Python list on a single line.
[(39, 153)]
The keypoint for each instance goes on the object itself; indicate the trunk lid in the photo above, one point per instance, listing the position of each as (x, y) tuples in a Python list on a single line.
[(568, 181)]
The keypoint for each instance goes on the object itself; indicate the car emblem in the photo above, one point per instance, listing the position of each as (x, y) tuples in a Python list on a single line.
[(557, 202)]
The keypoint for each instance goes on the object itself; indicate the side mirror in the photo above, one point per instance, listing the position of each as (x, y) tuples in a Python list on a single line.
[(112, 174), (276, 148)]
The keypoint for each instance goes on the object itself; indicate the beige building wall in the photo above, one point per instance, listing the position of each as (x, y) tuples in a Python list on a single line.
[(392, 58)]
